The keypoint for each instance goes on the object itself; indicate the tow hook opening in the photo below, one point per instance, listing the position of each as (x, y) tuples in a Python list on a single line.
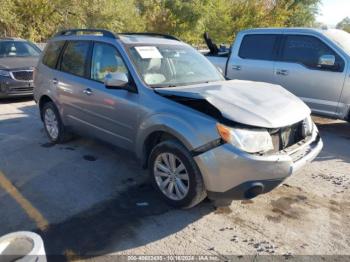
[(254, 190)]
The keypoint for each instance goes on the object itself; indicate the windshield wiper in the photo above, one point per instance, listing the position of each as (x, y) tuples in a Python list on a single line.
[(165, 86)]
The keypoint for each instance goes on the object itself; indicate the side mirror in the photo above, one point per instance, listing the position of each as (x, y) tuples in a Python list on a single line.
[(116, 80), (326, 61)]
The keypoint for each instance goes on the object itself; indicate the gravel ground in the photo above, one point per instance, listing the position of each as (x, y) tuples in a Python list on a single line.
[(97, 201)]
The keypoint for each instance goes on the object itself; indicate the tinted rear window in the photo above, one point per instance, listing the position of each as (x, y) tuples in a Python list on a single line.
[(259, 47), (52, 53), (75, 57)]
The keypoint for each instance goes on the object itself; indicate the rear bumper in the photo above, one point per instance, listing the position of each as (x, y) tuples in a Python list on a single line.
[(14, 88), (229, 173)]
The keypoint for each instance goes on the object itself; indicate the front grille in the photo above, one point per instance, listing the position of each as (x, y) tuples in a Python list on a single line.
[(21, 89), (23, 75), (286, 136)]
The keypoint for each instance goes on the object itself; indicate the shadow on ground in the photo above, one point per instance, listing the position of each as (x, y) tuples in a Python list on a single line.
[(15, 100), (336, 128), (336, 136), (116, 225)]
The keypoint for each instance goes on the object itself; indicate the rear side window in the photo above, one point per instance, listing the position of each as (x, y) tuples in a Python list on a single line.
[(75, 58), (52, 53), (258, 47), (307, 50)]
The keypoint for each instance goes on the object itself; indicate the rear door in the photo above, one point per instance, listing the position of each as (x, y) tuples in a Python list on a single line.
[(71, 82), (253, 57), (45, 78), (299, 72)]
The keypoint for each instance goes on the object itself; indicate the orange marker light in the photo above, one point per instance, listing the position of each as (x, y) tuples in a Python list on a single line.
[(224, 132)]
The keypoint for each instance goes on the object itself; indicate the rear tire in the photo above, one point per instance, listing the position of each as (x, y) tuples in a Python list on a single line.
[(175, 175), (53, 124)]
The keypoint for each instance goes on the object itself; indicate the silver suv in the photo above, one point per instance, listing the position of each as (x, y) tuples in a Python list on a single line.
[(156, 96)]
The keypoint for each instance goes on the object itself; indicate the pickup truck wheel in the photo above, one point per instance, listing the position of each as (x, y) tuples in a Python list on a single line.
[(175, 175), (53, 125)]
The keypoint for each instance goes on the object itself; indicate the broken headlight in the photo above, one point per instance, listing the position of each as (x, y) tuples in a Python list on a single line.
[(248, 140), (308, 126)]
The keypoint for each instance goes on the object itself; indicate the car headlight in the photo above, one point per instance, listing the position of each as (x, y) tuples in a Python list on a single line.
[(308, 126), (248, 140), (4, 73)]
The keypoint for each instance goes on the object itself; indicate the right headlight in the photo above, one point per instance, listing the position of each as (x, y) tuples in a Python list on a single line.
[(248, 140), (4, 73)]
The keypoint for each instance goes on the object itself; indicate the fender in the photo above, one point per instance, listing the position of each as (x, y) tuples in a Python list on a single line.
[(185, 132)]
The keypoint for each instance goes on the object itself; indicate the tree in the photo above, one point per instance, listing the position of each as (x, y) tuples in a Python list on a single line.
[(177, 17), (115, 15), (38, 20), (8, 18), (344, 24)]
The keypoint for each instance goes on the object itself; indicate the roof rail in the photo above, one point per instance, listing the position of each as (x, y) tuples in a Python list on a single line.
[(153, 34), (68, 32)]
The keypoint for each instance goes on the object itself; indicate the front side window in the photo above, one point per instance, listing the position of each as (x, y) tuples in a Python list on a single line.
[(18, 49), (306, 50), (258, 47), (52, 53), (105, 59), (172, 65), (75, 57)]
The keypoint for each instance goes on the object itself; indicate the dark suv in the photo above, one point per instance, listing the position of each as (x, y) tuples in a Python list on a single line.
[(17, 60)]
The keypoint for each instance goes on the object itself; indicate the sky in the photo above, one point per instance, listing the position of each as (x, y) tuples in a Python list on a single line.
[(333, 11)]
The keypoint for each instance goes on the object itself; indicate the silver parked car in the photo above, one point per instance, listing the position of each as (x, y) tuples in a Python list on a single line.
[(311, 63), (156, 96)]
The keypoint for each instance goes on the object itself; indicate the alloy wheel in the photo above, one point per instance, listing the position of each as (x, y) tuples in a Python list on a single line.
[(171, 176), (51, 123)]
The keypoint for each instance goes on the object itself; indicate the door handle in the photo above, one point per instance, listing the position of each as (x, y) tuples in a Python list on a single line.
[(87, 91), (55, 81), (282, 72), (236, 67)]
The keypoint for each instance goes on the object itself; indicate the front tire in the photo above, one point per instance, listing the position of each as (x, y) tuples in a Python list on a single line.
[(53, 125), (175, 175)]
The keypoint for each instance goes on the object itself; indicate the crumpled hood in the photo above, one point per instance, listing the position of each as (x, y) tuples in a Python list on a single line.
[(18, 62), (246, 102)]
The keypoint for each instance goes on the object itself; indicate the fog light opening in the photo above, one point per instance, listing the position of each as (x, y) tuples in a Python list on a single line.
[(254, 190)]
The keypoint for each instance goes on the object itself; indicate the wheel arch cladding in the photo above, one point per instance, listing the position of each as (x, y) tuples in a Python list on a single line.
[(43, 100)]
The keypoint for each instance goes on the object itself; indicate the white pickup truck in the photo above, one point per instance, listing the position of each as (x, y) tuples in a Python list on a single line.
[(311, 63)]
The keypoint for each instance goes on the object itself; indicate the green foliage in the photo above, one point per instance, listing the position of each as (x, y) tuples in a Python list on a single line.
[(344, 24), (188, 19)]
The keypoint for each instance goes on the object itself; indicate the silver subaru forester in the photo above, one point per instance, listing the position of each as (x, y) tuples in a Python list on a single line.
[(156, 96)]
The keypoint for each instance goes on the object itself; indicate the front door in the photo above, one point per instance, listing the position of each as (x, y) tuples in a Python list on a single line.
[(113, 113), (299, 72)]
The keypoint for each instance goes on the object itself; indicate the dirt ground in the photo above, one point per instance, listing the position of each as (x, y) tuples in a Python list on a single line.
[(93, 200)]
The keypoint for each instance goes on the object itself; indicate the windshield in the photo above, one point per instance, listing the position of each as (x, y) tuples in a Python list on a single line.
[(341, 37), (172, 65), (18, 49)]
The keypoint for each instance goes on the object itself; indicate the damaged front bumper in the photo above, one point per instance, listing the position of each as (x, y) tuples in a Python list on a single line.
[(232, 174)]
